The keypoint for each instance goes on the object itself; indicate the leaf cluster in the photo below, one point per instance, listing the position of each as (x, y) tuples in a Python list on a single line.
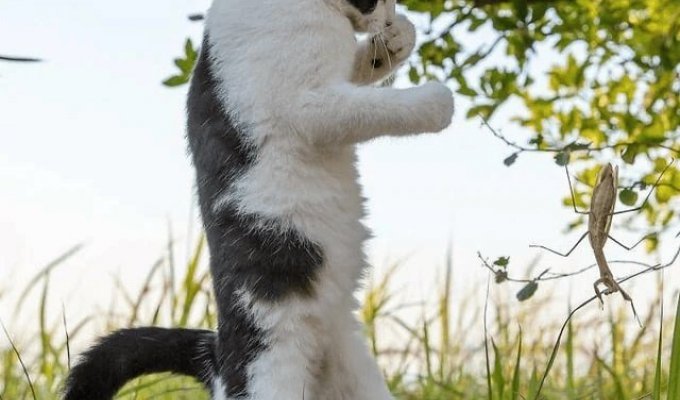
[(587, 80)]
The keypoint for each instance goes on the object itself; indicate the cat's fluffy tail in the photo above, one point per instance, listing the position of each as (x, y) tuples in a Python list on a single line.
[(129, 353)]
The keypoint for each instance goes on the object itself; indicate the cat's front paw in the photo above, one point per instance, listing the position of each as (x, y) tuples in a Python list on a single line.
[(436, 106), (400, 38)]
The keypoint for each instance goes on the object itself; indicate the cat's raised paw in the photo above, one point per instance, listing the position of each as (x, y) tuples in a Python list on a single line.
[(436, 106), (400, 38)]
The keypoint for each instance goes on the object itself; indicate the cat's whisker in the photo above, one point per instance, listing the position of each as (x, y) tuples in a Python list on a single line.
[(375, 54), (387, 51)]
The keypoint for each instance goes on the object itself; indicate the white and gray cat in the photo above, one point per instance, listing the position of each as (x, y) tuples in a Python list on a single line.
[(279, 99)]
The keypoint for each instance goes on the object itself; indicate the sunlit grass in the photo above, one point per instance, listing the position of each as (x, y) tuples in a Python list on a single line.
[(431, 350)]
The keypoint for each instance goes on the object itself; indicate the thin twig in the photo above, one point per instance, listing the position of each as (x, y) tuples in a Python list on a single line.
[(571, 147), (547, 275)]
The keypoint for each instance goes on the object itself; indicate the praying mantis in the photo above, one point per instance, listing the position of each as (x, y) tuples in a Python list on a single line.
[(600, 216)]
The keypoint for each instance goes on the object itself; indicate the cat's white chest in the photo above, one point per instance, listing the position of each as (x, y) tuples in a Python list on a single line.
[(319, 194)]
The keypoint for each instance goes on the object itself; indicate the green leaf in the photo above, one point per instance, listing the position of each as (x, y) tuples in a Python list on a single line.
[(189, 50), (521, 8), (185, 65), (476, 23), (631, 153), (562, 158), (500, 276), (538, 140), (511, 160), (651, 243), (413, 75), (482, 110), (527, 291), (473, 59), (467, 91), (502, 262), (628, 197), (176, 80)]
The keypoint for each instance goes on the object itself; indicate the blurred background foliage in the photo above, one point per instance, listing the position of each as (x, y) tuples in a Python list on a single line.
[(591, 80), (434, 349)]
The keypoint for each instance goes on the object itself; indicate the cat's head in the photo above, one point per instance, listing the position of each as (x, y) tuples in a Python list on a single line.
[(371, 15)]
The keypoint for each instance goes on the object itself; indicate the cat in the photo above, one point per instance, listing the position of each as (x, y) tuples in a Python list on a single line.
[(281, 95)]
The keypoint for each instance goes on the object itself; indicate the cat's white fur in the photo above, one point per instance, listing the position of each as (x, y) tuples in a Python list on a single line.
[(293, 76), (219, 391)]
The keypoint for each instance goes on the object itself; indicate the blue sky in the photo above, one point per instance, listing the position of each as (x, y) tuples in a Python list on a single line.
[(92, 150)]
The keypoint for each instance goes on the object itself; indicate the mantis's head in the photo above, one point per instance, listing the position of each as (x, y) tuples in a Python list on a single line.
[(608, 175)]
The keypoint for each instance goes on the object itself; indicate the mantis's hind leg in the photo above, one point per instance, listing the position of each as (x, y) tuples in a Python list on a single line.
[(634, 245), (557, 252)]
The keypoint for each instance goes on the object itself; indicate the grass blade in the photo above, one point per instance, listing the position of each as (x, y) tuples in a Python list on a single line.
[(21, 360), (498, 378), (569, 350), (67, 337), (674, 372), (486, 342), (445, 316), (514, 394), (192, 283), (656, 394), (556, 347), (427, 348), (45, 334)]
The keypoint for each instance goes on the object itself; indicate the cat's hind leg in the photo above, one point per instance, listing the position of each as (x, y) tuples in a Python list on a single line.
[(288, 367), (351, 372)]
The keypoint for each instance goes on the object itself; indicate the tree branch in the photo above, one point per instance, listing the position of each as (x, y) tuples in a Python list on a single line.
[(573, 146), (482, 3), (19, 59)]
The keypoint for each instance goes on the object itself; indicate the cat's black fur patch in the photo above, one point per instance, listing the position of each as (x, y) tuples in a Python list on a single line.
[(128, 353), (269, 264), (238, 343), (365, 6)]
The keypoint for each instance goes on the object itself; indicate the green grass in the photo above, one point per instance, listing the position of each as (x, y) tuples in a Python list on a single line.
[(435, 350)]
